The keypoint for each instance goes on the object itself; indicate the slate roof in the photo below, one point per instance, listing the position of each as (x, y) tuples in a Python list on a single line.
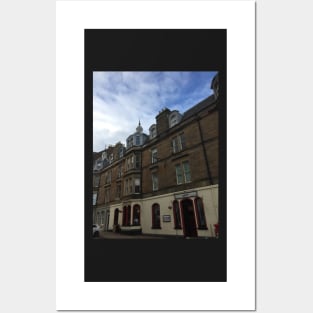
[(199, 107)]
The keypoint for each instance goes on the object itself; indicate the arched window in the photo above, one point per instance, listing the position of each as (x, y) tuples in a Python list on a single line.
[(200, 214), (136, 215), (152, 130), (176, 212), (115, 222), (156, 220), (126, 216)]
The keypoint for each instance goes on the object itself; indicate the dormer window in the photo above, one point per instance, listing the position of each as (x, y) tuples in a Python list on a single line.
[(111, 158), (136, 139), (174, 118), (121, 152), (98, 164), (129, 142), (152, 131)]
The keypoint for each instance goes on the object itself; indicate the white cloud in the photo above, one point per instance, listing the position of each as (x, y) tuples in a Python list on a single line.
[(120, 99)]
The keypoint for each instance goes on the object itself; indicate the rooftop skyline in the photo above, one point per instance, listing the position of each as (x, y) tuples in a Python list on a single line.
[(121, 99)]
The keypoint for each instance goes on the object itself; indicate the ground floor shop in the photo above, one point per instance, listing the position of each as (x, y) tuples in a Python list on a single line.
[(191, 213), (101, 216)]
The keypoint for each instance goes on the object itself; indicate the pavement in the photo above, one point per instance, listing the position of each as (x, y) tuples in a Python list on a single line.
[(112, 235)]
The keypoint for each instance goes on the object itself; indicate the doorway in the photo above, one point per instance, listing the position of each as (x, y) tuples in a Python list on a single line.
[(189, 219), (115, 222)]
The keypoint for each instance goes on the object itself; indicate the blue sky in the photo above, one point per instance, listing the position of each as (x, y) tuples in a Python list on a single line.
[(121, 99)]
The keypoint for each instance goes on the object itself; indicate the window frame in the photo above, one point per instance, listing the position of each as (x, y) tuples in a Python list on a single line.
[(137, 185), (156, 216), (121, 152), (200, 215), (155, 179), (108, 177), (153, 132), (154, 155), (178, 143), (177, 215), (183, 172), (136, 214), (111, 158), (137, 140), (177, 169), (94, 198), (126, 215), (118, 191), (137, 160)]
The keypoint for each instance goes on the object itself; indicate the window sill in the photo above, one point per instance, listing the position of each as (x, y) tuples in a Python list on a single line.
[(153, 166), (184, 183), (156, 227), (178, 155)]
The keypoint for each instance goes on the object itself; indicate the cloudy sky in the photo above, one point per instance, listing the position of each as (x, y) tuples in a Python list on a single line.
[(121, 99)]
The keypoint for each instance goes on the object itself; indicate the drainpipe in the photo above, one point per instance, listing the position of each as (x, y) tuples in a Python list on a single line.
[(204, 152)]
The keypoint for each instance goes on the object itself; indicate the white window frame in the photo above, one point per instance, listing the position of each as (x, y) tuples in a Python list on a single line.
[(155, 182), (111, 158), (136, 184), (121, 152), (153, 132), (181, 173), (178, 144), (94, 198), (154, 155), (173, 120), (184, 171)]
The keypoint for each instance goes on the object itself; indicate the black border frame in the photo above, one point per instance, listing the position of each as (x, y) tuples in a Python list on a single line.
[(151, 260)]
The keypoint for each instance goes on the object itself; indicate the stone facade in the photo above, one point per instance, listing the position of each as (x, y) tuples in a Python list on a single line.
[(165, 183)]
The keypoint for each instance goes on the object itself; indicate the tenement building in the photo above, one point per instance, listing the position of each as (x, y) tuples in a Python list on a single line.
[(164, 182)]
